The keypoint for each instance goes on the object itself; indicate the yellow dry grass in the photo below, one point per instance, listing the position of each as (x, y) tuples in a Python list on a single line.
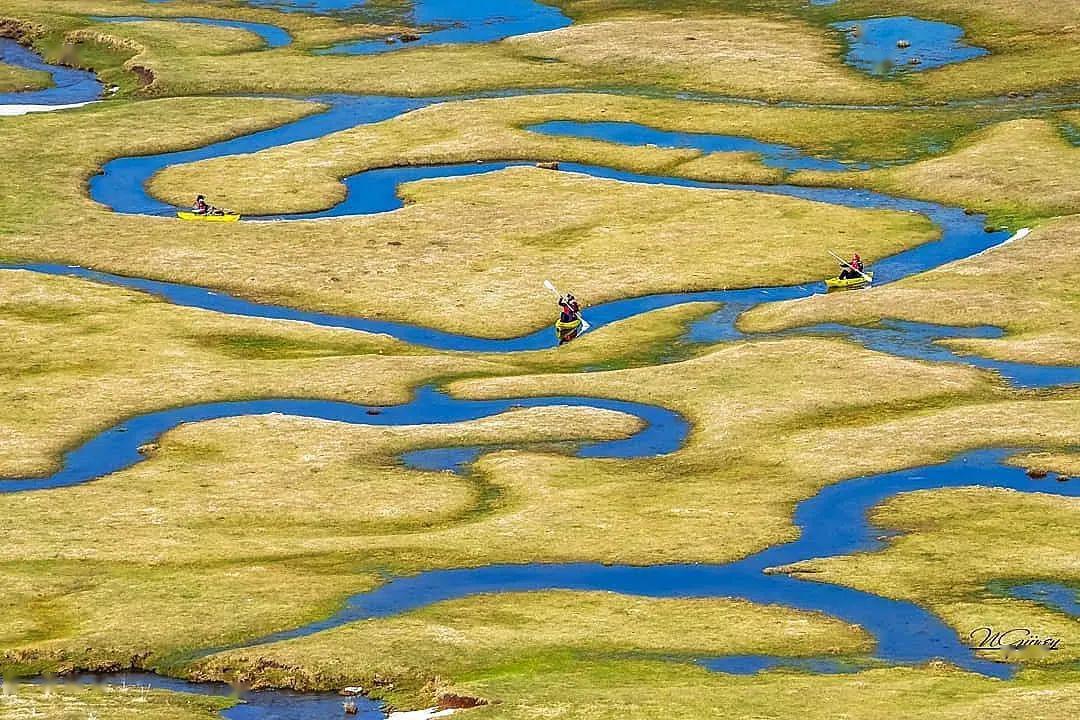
[(901, 440), (1065, 463), (736, 55), (15, 79), (72, 378), (461, 637), (64, 702), (958, 541), (306, 30), (236, 528), (309, 485), (234, 510), (1014, 170), (487, 240), (767, 51), (1026, 286), (306, 176), (614, 689)]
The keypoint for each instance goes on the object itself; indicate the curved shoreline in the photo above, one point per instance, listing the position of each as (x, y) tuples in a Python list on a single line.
[(71, 87), (117, 448), (832, 522)]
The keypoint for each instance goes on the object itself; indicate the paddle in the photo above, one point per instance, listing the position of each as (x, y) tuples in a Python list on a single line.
[(843, 262), (555, 291)]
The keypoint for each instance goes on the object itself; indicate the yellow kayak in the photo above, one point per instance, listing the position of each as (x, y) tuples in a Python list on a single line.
[(855, 282), (185, 215), (567, 331)]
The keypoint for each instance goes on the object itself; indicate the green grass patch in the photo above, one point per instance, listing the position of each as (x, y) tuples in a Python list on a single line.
[(276, 347)]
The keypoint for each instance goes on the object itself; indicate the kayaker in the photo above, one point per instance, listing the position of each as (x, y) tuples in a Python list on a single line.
[(201, 207), (569, 325), (853, 269), (569, 306)]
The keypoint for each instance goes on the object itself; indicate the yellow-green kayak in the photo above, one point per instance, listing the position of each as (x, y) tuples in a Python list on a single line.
[(229, 217), (567, 331), (855, 282)]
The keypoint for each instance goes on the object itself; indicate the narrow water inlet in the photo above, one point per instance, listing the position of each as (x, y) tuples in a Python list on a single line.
[(70, 87)]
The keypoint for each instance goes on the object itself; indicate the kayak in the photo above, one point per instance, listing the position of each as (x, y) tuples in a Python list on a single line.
[(855, 282), (228, 217), (567, 331)]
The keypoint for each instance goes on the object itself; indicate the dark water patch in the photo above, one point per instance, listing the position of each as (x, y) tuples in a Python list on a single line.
[(1071, 132), (452, 459), (754, 664)]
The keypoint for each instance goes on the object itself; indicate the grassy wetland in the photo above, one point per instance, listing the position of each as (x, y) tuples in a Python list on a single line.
[(14, 78), (248, 549)]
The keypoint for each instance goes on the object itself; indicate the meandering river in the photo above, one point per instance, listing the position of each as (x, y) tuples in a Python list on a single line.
[(832, 522)]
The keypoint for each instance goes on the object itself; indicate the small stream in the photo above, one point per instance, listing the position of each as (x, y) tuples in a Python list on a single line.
[(832, 522), (70, 87), (252, 705), (117, 448)]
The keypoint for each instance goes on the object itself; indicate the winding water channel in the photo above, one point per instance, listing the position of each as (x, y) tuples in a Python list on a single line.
[(832, 522), (69, 87)]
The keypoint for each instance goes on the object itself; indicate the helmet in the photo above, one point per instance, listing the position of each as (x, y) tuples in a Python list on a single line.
[(857, 257)]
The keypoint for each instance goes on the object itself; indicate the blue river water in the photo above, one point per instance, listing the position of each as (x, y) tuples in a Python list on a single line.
[(118, 447), (257, 705), (873, 46), (833, 522), (628, 133), (753, 664), (1053, 595), (454, 22), (69, 86), (272, 35), (122, 185)]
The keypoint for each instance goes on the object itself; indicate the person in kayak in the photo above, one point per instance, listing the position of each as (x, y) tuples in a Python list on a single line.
[(569, 306), (852, 269), (201, 207), (569, 325)]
